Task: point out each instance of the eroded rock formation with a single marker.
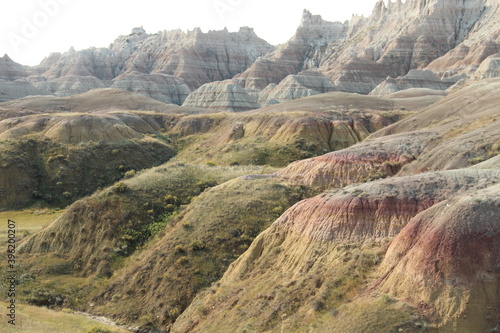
(222, 96)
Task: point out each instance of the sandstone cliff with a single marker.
(192, 56)
(10, 70)
(162, 87)
(165, 66)
(361, 53)
(303, 51)
(303, 84)
(18, 89)
(221, 96)
(413, 79)
(448, 37)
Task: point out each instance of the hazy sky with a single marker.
(32, 29)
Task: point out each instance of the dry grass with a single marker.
(32, 319)
(27, 221)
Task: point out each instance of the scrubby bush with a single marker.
(98, 330)
(129, 174)
(120, 187)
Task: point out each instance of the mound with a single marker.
(118, 220)
(450, 253)
(196, 249)
(471, 103)
(75, 128)
(282, 133)
(458, 131)
(320, 252)
(47, 172)
(93, 101)
(362, 162)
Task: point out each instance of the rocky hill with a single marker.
(345, 181)
(166, 66)
(416, 44)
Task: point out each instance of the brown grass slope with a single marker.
(302, 271)
(56, 150)
(95, 231)
(53, 149)
(447, 258)
(458, 131)
(95, 100)
(198, 246)
(290, 131)
(57, 159)
(183, 241)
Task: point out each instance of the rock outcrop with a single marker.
(193, 56)
(482, 39)
(414, 79)
(303, 84)
(359, 54)
(449, 37)
(10, 70)
(489, 68)
(66, 85)
(221, 96)
(311, 36)
(18, 89)
(165, 66)
(162, 87)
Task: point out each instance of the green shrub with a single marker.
(197, 246)
(120, 187)
(98, 330)
(129, 174)
(476, 160)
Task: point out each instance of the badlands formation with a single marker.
(345, 181)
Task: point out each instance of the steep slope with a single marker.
(66, 164)
(305, 83)
(399, 37)
(92, 101)
(449, 37)
(396, 38)
(198, 234)
(413, 79)
(62, 132)
(301, 52)
(320, 253)
(279, 134)
(11, 70)
(56, 150)
(221, 96)
(18, 89)
(450, 253)
(462, 126)
(166, 66)
(193, 56)
(489, 68)
(124, 218)
(216, 228)
(482, 41)
(162, 87)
